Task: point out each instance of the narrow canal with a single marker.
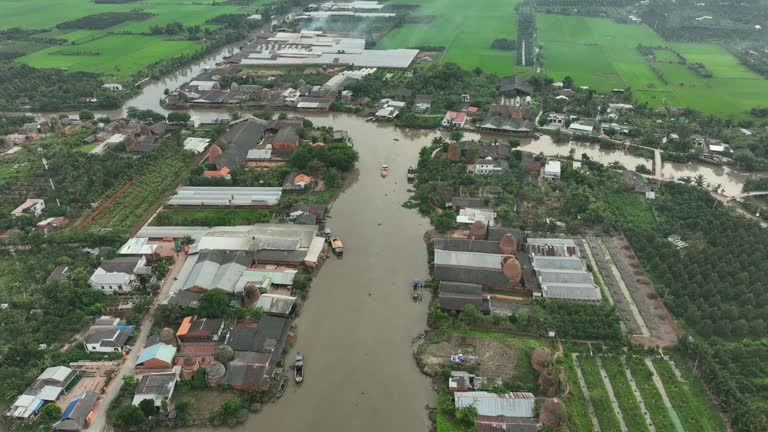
(356, 327)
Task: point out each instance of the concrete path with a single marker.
(677, 372)
(624, 290)
(595, 267)
(611, 395)
(664, 397)
(585, 391)
(638, 396)
(657, 163)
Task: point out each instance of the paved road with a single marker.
(100, 418)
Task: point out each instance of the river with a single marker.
(356, 327)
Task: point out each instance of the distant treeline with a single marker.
(103, 20)
(114, 1)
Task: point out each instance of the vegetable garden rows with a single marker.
(689, 401)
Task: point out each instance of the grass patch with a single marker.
(86, 148)
(211, 217)
(598, 394)
(576, 403)
(629, 210)
(659, 414)
(630, 408)
(694, 409)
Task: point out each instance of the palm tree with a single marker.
(438, 141)
(699, 180)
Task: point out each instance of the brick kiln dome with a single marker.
(214, 152)
(478, 231)
(553, 413)
(512, 270)
(508, 244)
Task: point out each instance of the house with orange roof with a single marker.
(222, 172)
(296, 181)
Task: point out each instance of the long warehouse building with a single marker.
(246, 197)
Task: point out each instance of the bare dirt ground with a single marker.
(663, 328)
(497, 360)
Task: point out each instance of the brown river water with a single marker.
(356, 327)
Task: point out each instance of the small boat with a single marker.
(416, 289)
(411, 174)
(370, 119)
(327, 234)
(384, 170)
(299, 368)
(281, 388)
(336, 246)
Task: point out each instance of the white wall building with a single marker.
(117, 275)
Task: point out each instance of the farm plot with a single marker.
(598, 394)
(211, 217)
(578, 405)
(661, 416)
(111, 55)
(33, 14)
(467, 36)
(694, 409)
(146, 192)
(602, 54)
(630, 407)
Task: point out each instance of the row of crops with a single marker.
(648, 394)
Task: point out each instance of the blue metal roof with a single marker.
(159, 351)
(69, 409)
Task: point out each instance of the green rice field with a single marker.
(120, 50)
(466, 31)
(117, 54)
(602, 54)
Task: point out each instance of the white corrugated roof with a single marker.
(468, 259)
(195, 144)
(571, 291)
(519, 404)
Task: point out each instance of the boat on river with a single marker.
(336, 246)
(416, 289)
(299, 368)
(384, 170)
(411, 174)
(714, 159)
(281, 388)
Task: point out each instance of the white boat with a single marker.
(299, 368)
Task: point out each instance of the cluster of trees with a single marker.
(103, 20)
(339, 156)
(504, 44)
(719, 285)
(10, 123)
(52, 89)
(573, 320)
(41, 312)
(526, 35)
(735, 373)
